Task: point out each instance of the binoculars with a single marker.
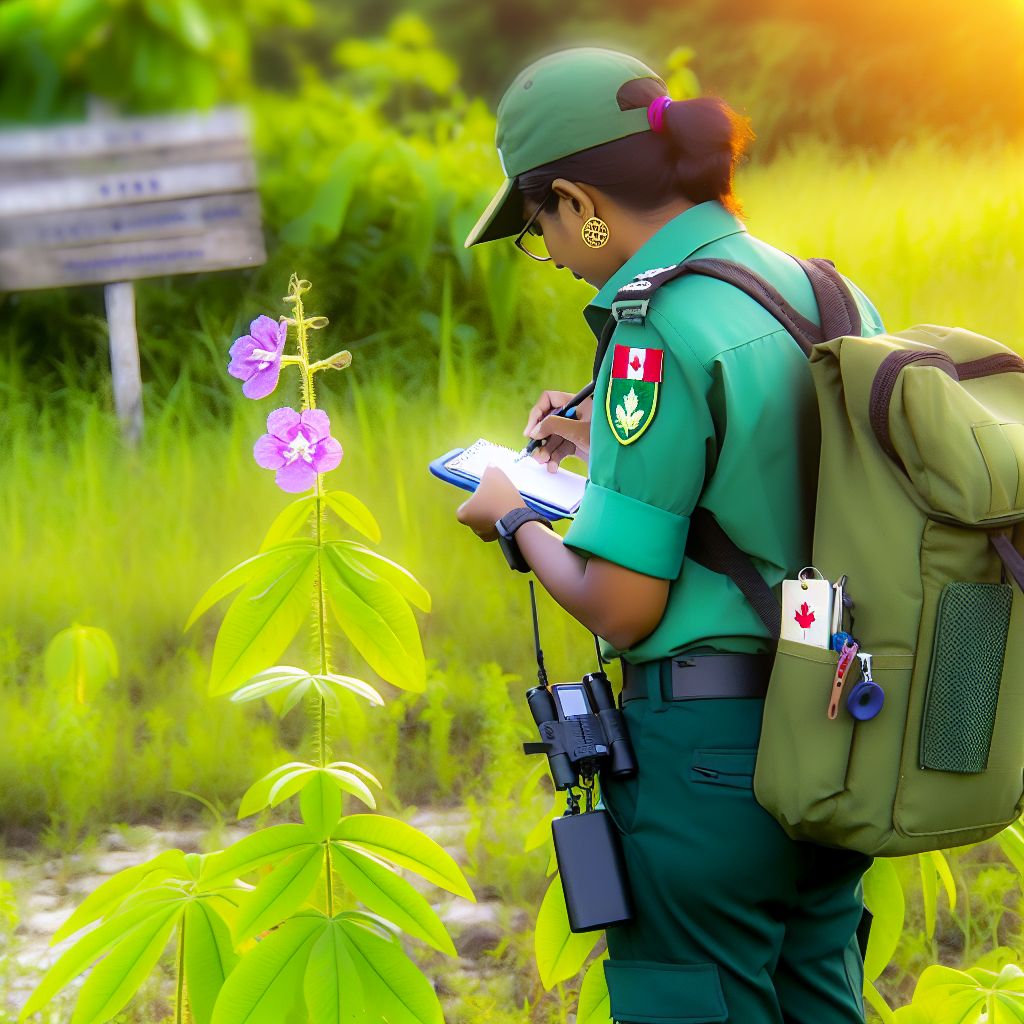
(581, 729)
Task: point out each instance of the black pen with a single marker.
(566, 411)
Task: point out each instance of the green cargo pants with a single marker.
(733, 920)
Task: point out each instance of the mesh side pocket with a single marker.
(973, 621)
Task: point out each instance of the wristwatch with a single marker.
(507, 526)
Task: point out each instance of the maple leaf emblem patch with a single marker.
(632, 395)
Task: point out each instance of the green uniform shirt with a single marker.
(735, 425)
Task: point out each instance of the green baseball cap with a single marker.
(561, 104)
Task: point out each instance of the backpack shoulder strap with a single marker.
(708, 543)
(840, 315)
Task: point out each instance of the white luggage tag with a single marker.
(807, 609)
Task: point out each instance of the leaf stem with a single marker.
(330, 886)
(179, 1008)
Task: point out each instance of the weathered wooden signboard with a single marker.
(110, 200)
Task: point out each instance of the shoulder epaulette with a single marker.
(631, 300)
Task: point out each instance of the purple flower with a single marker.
(298, 447)
(256, 357)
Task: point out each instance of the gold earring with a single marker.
(595, 232)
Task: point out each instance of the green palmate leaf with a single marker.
(262, 565)
(267, 981)
(942, 869)
(279, 894)
(401, 844)
(251, 852)
(290, 784)
(372, 923)
(350, 766)
(92, 945)
(320, 804)
(1011, 841)
(289, 778)
(284, 677)
(994, 961)
(109, 895)
(263, 620)
(114, 980)
(352, 783)
(194, 863)
(384, 892)
(209, 958)
(279, 677)
(257, 796)
(169, 891)
(971, 997)
(331, 681)
(80, 659)
(352, 511)
(883, 896)
(294, 695)
(560, 952)
(394, 987)
(929, 892)
(880, 1006)
(334, 993)
(541, 831)
(377, 565)
(288, 521)
(376, 618)
(595, 1004)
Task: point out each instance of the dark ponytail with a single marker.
(694, 156)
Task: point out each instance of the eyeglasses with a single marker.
(535, 232)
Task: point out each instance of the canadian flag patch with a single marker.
(632, 396)
(637, 363)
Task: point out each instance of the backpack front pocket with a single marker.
(1002, 450)
(802, 754)
(961, 775)
(962, 691)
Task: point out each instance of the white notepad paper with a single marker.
(562, 489)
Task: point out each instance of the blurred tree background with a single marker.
(868, 73)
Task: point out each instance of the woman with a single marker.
(704, 399)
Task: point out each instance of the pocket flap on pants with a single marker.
(648, 992)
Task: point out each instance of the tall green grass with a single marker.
(128, 541)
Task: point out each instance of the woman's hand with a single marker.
(494, 496)
(565, 436)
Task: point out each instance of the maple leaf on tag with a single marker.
(629, 418)
(804, 617)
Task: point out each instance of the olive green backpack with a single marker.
(920, 503)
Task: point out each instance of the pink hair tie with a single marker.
(656, 112)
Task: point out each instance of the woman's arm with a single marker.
(616, 603)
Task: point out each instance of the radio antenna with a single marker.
(600, 660)
(542, 676)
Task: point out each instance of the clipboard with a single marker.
(467, 483)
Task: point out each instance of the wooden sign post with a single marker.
(111, 200)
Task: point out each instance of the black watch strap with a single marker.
(507, 526)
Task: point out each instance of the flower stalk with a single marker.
(296, 288)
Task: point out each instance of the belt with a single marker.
(700, 675)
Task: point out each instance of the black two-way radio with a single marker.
(583, 734)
